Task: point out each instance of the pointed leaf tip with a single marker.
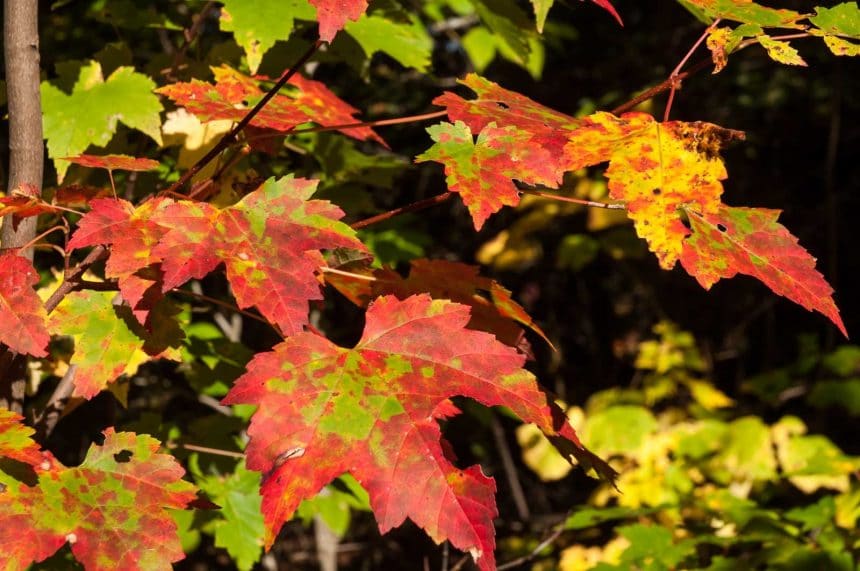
(751, 242)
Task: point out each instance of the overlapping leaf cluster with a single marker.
(668, 175)
(370, 413)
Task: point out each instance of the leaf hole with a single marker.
(656, 192)
(503, 105)
(123, 456)
(721, 228)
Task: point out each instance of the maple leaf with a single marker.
(258, 24)
(334, 14)
(655, 168)
(749, 12)
(16, 440)
(113, 162)
(90, 113)
(546, 128)
(482, 171)
(493, 309)
(233, 95)
(111, 508)
(373, 411)
(22, 315)
(269, 243)
(132, 233)
(751, 242)
(23, 202)
(108, 340)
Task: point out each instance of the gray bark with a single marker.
(26, 152)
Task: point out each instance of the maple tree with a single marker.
(270, 148)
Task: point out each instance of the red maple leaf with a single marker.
(333, 15)
(269, 242)
(750, 241)
(132, 233)
(373, 411)
(111, 508)
(16, 439)
(234, 94)
(113, 162)
(23, 202)
(493, 309)
(22, 314)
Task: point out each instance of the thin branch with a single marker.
(233, 135)
(42, 235)
(73, 277)
(414, 207)
(379, 123)
(511, 475)
(674, 75)
(50, 415)
(223, 304)
(583, 202)
(207, 450)
(349, 274)
(190, 35)
(661, 87)
(556, 533)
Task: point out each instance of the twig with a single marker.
(379, 123)
(661, 87)
(46, 421)
(592, 203)
(232, 136)
(673, 77)
(207, 450)
(189, 36)
(73, 278)
(224, 304)
(414, 207)
(510, 470)
(556, 533)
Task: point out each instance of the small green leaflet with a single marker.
(258, 24)
(90, 113)
(406, 41)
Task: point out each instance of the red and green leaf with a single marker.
(270, 243)
(109, 342)
(493, 309)
(23, 317)
(111, 508)
(749, 12)
(373, 411)
(750, 241)
(233, 95)
(482, 171)
(16, 440)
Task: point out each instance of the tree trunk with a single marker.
(26, 153)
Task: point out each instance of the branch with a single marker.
(233, 135)
(414, 207)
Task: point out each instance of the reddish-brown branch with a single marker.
(379, 123)
(233, 135)
(73, 277)
(414, 207)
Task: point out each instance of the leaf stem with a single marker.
(42, 235)
(207, 450)
(232, 136)
(414, 207)
(592, 203)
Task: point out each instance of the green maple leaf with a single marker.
(258, 24)
(90, 113)
(239, 527)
